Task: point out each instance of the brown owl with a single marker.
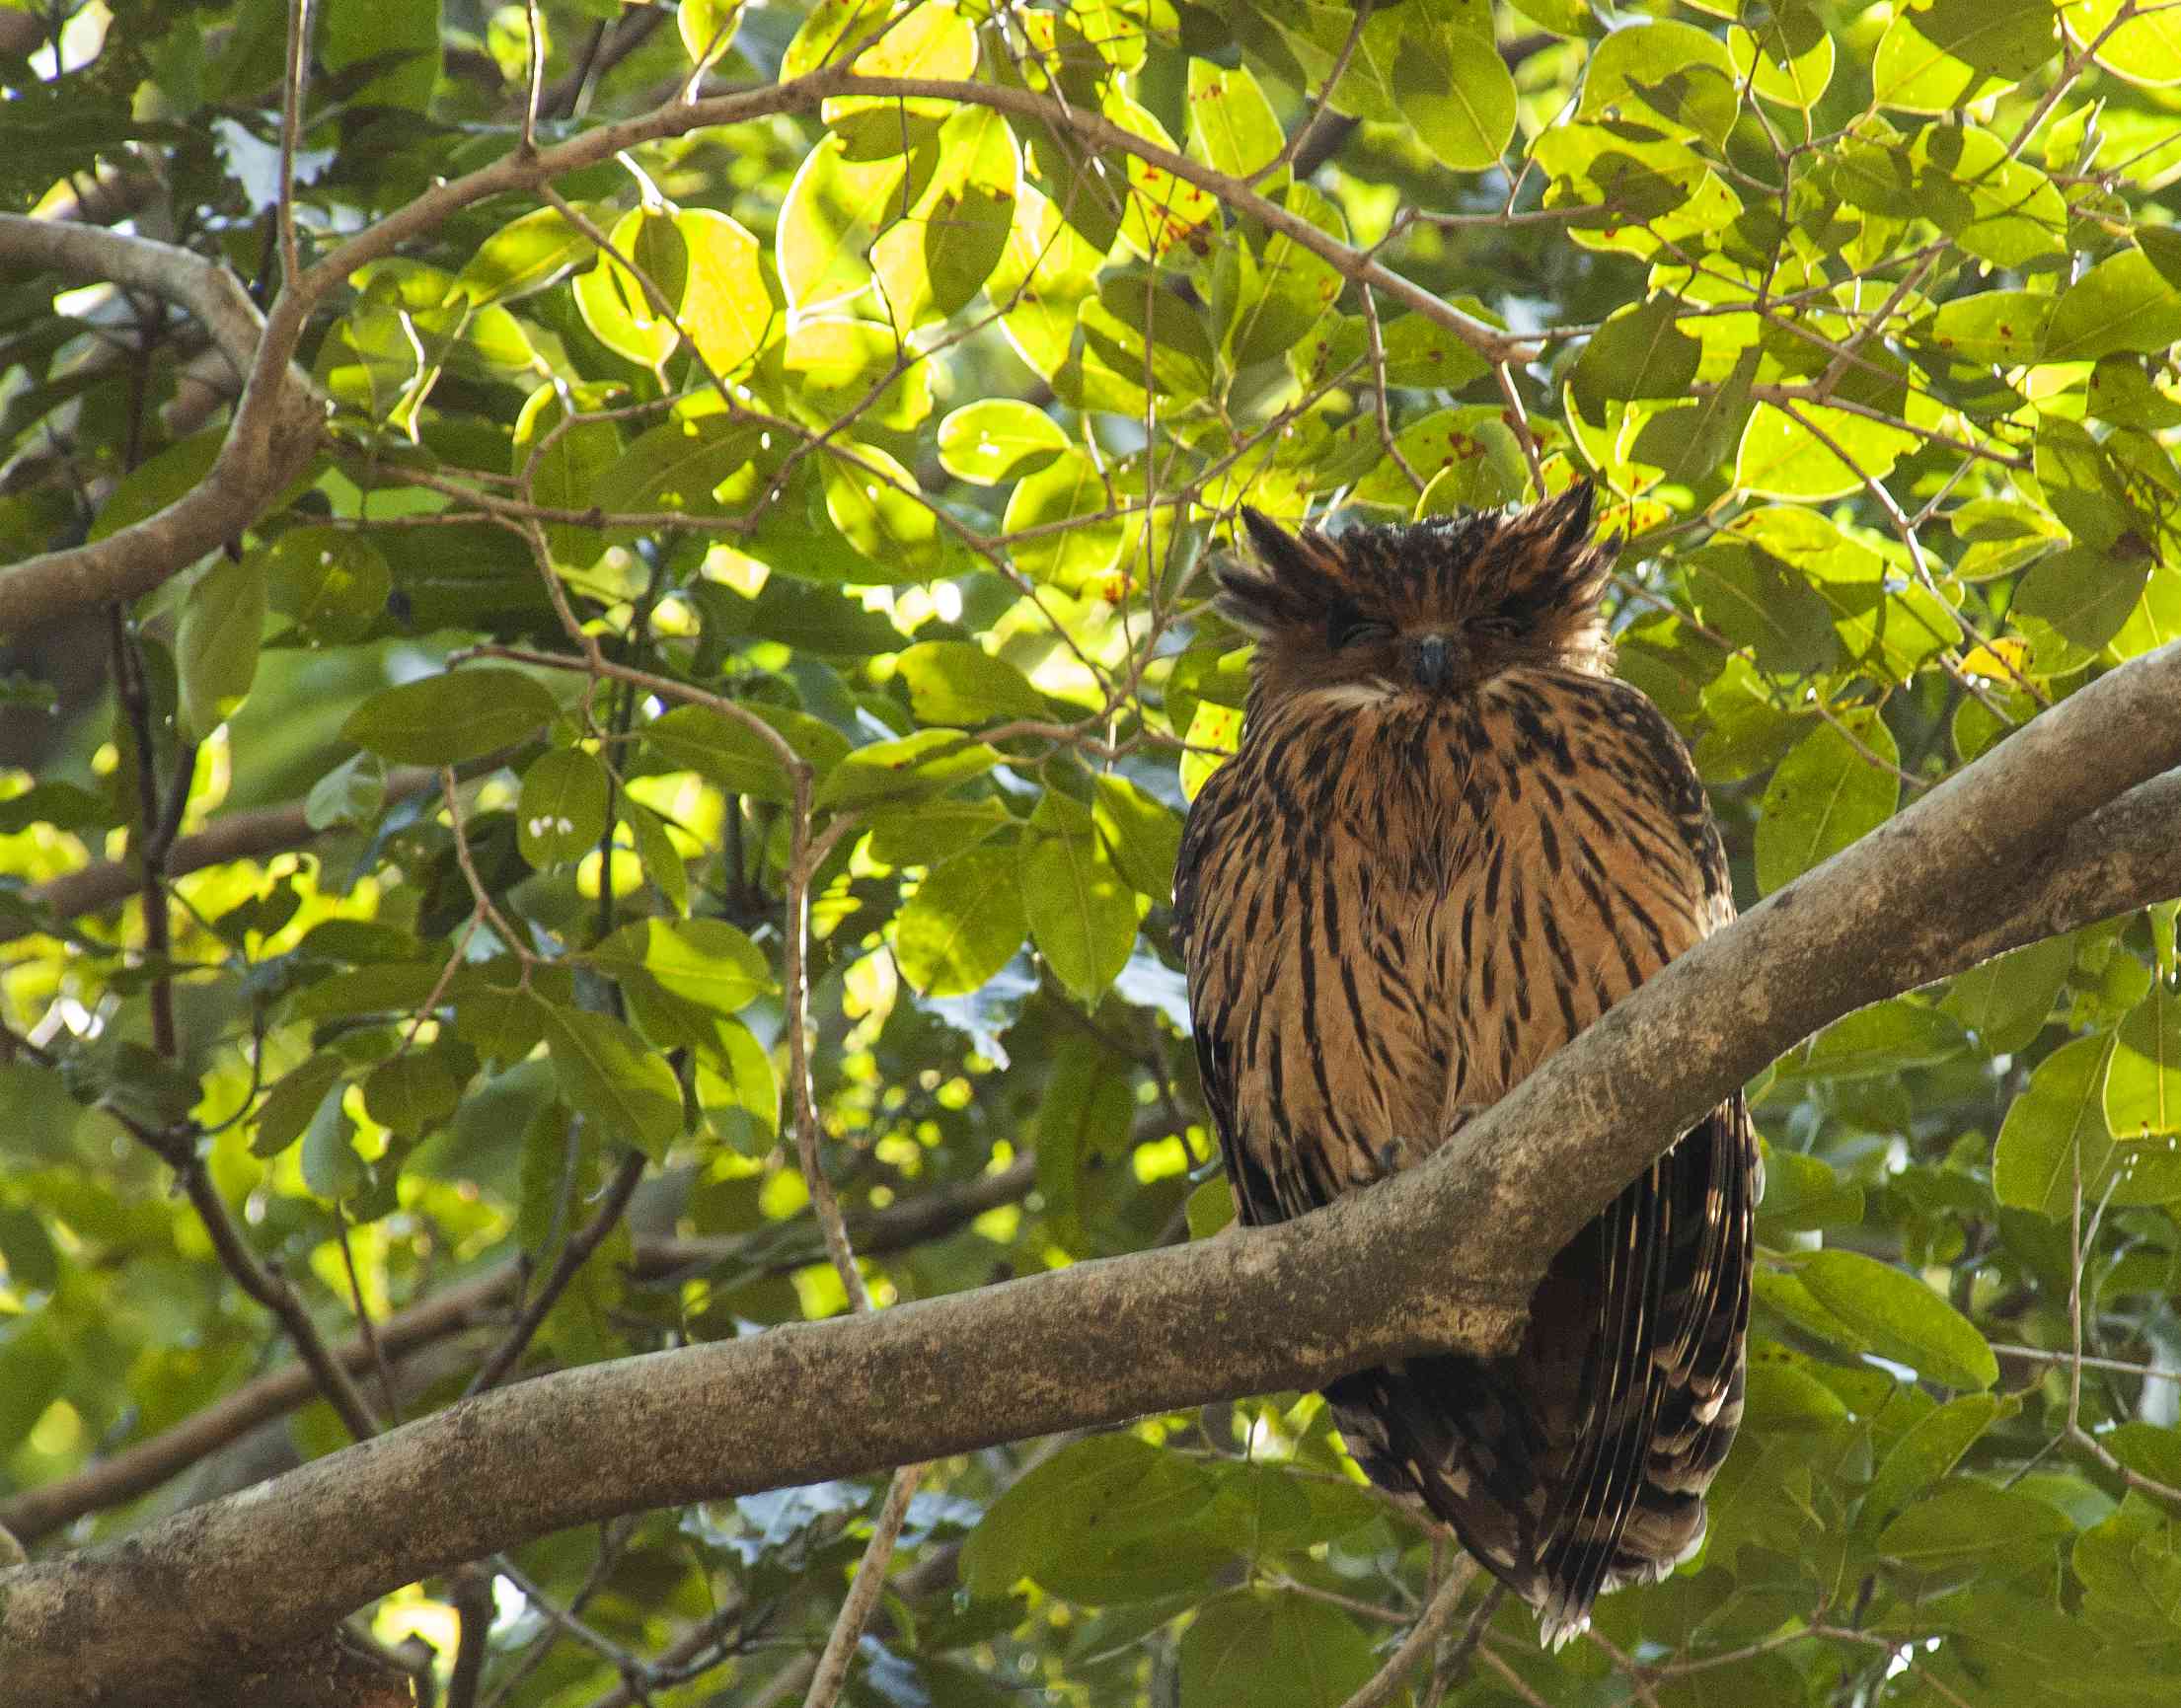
(1449, 841)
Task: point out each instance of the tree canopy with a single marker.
(605, 641)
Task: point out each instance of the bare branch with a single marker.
(271, 440)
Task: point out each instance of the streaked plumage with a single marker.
(1449, 841)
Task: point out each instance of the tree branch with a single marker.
(239, 836)
(776, 1250)
(274, 435)
(1360, 1281)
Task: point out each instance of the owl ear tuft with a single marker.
(1568, 515)
(1280, 552)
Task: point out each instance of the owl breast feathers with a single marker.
(1449, 841)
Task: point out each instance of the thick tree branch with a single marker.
(772, 1250)
(239, 836)
(271, 440)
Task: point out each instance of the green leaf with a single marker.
(830, 220)
(1802, 1192)
(456, 715)
(662, 862)
(1784, 456)
(2142, 1080)
(698, 464)
(829, 30)
(1263, 1646)
(958, 684)
(1232, 126)
(223, 620)
(1901, 1318)
(2145, 49)
(962, 925)
(880, 512)
(726, 307)
(2007, 999)
(1081, 913)
(1111, 1518)
(332, 581)
(1929, 1448)
(291, 1105)
(636, 323)
(2161, 247)
(1788, 59)
(562, 812)
(1050, 515)
(736, 757)
(607, 1073)
(1880, 1039)
(1143, 834)
(1958, 1522)
(330, 1166)
(28, 1256)
(1456, 91)
(1999, 208)
(1913, 73)
(1832, 789)
(704, 961)
(1757, 600)
(1674, 70)
(410, 1095)
(2123, 303)
(2002, 329)
(1084, 1122)
(1210, 1208)
(932, 259)
(708, 28)
(399, 40)
(987, 441)
(351, 793)
(908, 767)
(524, 256)
(376, 988)
(2086, 593)
(2008, 38)
(1640, 352)
(859, 369)
(2056, 1125)
(494, 1013)
(931, 831)
(742, 1102)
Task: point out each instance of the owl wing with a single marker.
(1258, 1196)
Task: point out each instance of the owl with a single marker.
(1449, 840)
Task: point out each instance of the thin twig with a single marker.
(1431, 1625)
(573, 1256)
(365, 1326)
(863, 1594)
(293, 86)
(473, 1600)
(1314, 118)
(536, 80)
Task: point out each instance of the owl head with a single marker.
(1433, 608)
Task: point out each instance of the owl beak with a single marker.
(1435, 660)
